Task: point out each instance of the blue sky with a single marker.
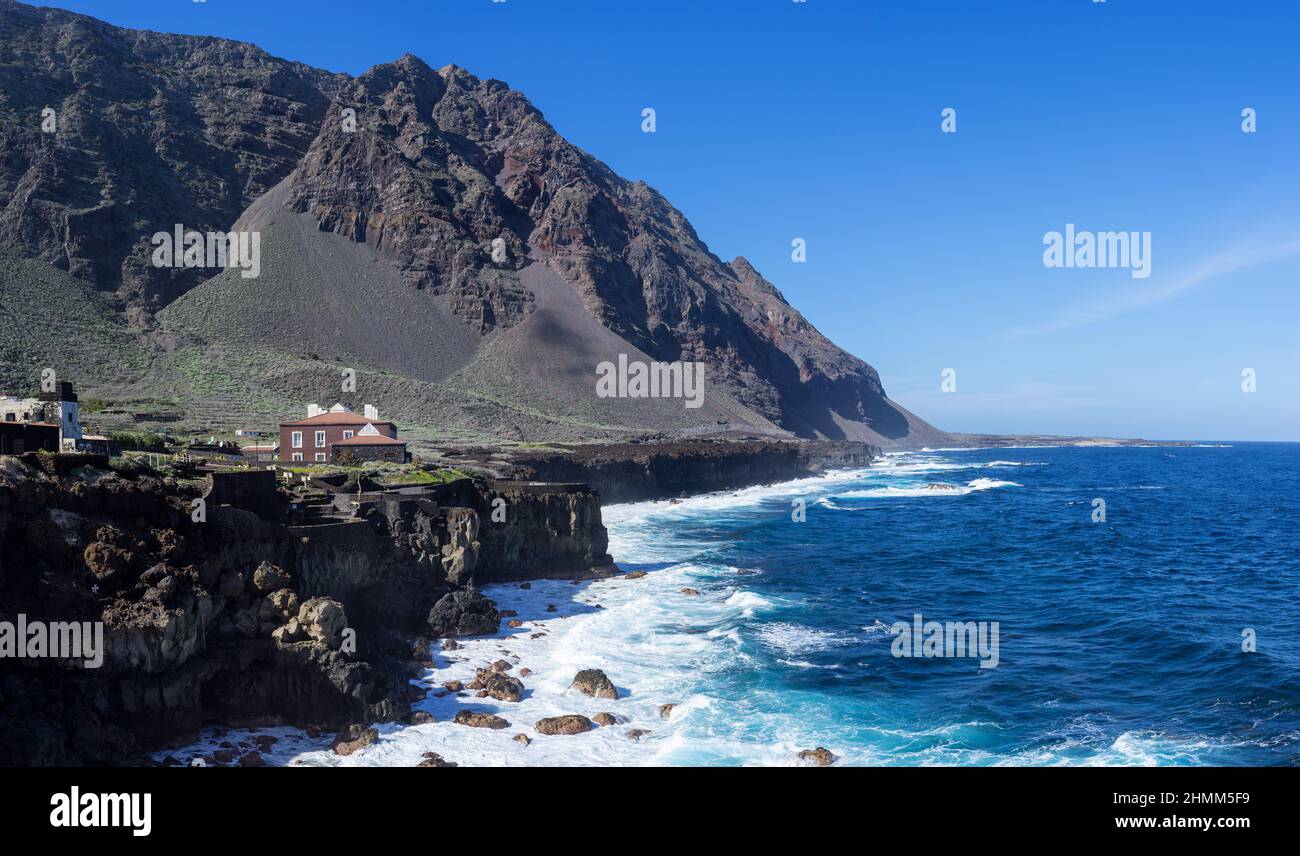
(821, 120)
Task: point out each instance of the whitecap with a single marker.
(933, 489)
(795, 639)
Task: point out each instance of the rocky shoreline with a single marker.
(540, 691)
(225, 604)
(239, 617)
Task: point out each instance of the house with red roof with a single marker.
(326, 434)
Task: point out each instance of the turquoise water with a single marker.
(1120, 642)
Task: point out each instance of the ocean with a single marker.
(1120, 641)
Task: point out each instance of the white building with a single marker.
(58, 407)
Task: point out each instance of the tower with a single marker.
(64, 399)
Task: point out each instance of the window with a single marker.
(296, 441)
(297, 456)
(320, 439)
(348, 435)
(320, 456)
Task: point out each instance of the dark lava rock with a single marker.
(480, 720)
(571, 723)
(503, 687)
(595, 683)
(464, 613)
(818, 757)
(268, 578)
(352, 738)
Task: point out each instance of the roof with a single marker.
(370, 440)
(335, 419)
(260, 448)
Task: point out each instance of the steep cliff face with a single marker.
(456, 189)
(641, 472)
(190, 634)
(233, 617)
(150, 130)
(403, 177)
(545, 531)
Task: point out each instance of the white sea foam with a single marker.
(796, 639)
(614, 515)
(927, 490)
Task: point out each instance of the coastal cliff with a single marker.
(632, 472)
(214, 614)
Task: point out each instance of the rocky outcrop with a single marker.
(548, 531)
(569, 723)
(595, 683)
(191, 634)
(819, 757)
(240, 618)
(353, 738)
(480, 720)
(463, 613)
(503, 688)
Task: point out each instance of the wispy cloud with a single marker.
(1226, 262)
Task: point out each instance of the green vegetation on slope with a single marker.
(53, 320)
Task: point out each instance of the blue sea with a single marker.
(1119, 641)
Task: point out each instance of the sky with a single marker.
(822, 120)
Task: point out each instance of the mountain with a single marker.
(426, 229)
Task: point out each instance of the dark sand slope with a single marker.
(323, 303)
(323, 294)
(547, 364)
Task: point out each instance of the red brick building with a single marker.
(322, 436)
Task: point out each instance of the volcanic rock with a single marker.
(571, 723)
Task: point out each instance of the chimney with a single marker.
(314, 410)
(372, 412)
